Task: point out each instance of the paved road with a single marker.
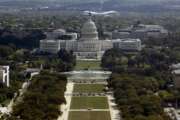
(101, 83)
(89, 110)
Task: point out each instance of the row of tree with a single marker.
(136, 98)
(63, 61)
(10, 56)
(21, 38)
(42, 99)
(16, 59)
(141, 82)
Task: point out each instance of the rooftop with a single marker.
(127, 40)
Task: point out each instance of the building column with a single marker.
(7, 77)
(4, 77)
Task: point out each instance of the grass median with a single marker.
(88, 88)
(89, 102)
(89, 115)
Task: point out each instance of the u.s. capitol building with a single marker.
(88, 46)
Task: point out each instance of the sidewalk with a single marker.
(65, 108)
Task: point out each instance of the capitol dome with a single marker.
(89, 31)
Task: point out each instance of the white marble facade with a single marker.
(88, 46)
(4, 75)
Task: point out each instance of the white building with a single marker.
(4, 75)
(176, 72)
(55, 34)
(51, 46)
(89, 46)
(127, 44)
(61, 34)
(141, 31)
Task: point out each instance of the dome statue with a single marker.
(89, 31)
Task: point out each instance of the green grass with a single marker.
(89, 102)
(89, 115)
(85, 88)
(91, 65)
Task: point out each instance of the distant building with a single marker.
(141, 31)
(88, 46)
(55, 34)
(51, 46)
(30, 72)
(61, 34)
(4, 75)
(127, 44)
(176, 73)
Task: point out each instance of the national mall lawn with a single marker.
(89, 103)
(88, 88)
(89, 115)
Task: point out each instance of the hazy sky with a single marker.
(140, 1)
